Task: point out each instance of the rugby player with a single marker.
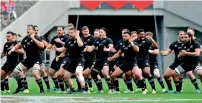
(43, 68)
(102, 47)
(89, 56)
(130, 49)
(56, 65)
(143, 56)
(11, 62)
(189, 55)
(153, 52)
(75, 65)
(32, 45)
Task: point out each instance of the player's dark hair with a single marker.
(85, 28)
(61, 27)
(149, 33)
(73, 29)
(127, 32)
(29, 25)
(70, 25)
(189, 34)
(102, 28)
(35, 26)
(10, 32)
(139, 31)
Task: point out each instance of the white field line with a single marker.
(53, 99)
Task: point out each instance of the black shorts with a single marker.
(56, 64)
(119, 62)
(29, 62)
(9, 67)
(175, 64)
(88, 64)
(127, 66)
(153, 65)
(142, 63)
(111, 65)
(71, 66)
(100, 64)
(189, 66)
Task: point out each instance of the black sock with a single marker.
(180, 83)
(55, 80)
(109, 83)
(129, 84)
(46, 82)
(90, 83)
(22, 83)
(168, 82)
(2, 85)
(160, 80)
(83, 89)
(25, 83)
(142, 84)
(151, 81)
(137, 83)
(39, 82)
(86, 86)
(6, 84)
(99, 84)
(177, 85)
(61, 83)
(194, 82)
(78, 84)
(116, 84)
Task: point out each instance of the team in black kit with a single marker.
(89, 57)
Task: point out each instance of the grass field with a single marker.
(188, 95)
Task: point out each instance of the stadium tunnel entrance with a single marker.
(115, 24)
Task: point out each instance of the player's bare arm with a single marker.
(118, 54)
(38, 43)
(193, 54)
(166, 52)
(78, 39)
(155, 51)
(20, 51)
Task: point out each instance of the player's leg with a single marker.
(87, 76)
(68, 80)
(198, 70)
(79, 75)
(105, 72)
(36, 73)
(3, 75)
(60, 77)
(157, 75)
(137, 73)
(53, 75)
(114, 76)
(167, 77)
(6, 84)
(17, 73)
(55, 66)
(147, 72)
(96, 68)
(45, 76)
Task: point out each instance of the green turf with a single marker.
(188, 91)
